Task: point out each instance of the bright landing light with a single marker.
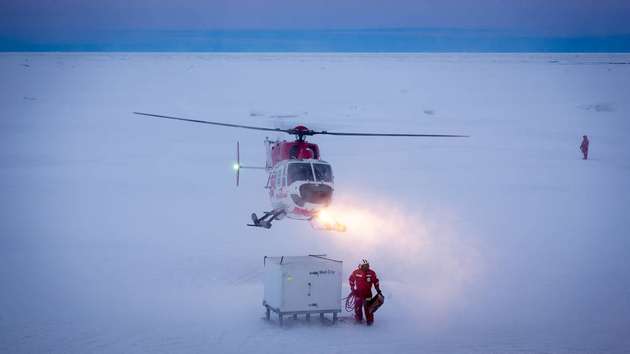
(325, 218)
(326, 221)
(367, 225)
(236, 167)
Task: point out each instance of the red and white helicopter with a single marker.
(300, 183)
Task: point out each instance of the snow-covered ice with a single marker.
(120, 233)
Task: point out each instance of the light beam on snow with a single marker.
(425, 258)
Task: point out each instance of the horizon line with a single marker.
(407, 40)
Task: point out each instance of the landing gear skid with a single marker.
(265, 220)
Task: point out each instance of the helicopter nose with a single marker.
(316, 193)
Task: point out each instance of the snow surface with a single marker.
(121, 233)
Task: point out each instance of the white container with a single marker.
(302, 285)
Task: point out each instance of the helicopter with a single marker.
(300, 184)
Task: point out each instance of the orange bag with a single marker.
(375, 302)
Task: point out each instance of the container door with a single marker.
(295, 288)
(325, 287)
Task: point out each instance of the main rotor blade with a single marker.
(386, 134)
(294, 131)
(213, 123)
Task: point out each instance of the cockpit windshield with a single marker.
(323, 172)
(299, 172)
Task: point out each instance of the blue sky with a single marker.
(152, 24)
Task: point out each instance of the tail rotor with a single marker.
(238, 167)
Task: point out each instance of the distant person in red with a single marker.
(361, 281)
(584, 147)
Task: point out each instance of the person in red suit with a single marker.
(361, 281)
(584, 147)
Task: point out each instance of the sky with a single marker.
(127, 23)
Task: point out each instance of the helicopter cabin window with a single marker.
(272, 180)
(279, 177)
(323, 172)
(300, 172)
(283, 177)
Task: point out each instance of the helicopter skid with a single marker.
(265, 220)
